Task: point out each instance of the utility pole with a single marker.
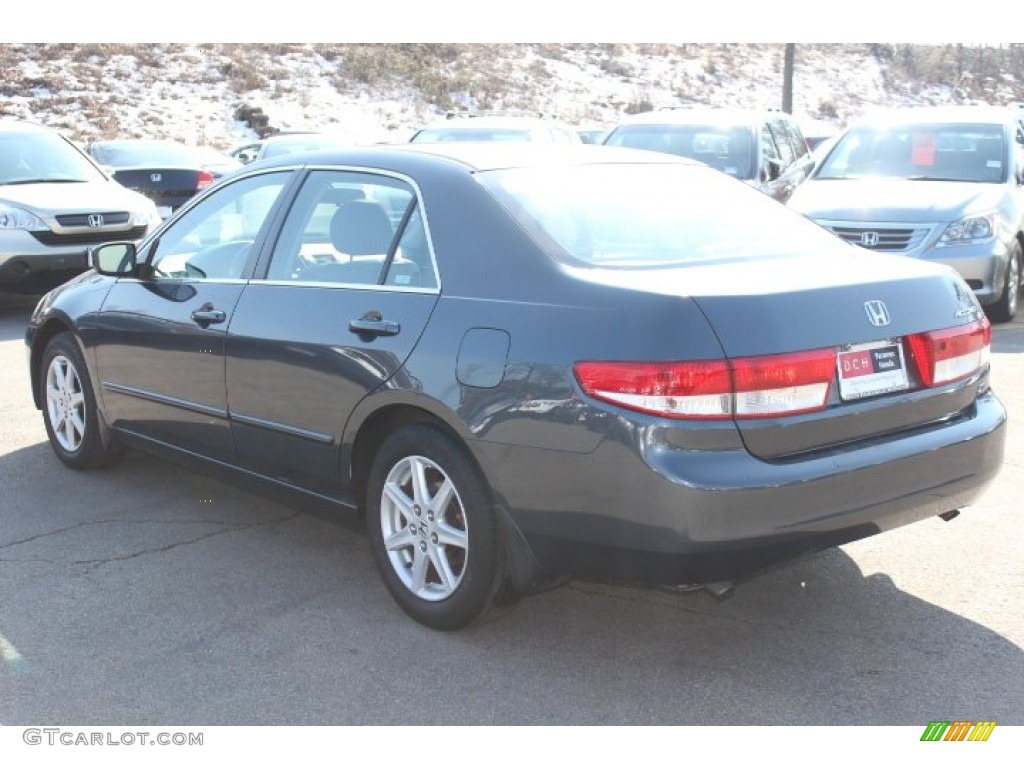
(787, 79)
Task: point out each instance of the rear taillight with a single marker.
(744, 388)
(951, 354)
(205, 179)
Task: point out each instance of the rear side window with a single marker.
(354, 229)
(638, 215)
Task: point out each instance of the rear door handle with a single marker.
(374, 327)
(207, 315)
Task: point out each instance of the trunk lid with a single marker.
(770, 306)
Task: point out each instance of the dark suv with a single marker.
(764, 148)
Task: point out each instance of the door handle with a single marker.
(206, 315)
(375, 327)
(372, 324)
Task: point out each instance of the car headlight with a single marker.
(969, 229)
(15, 218)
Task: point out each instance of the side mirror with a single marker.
(114, 259)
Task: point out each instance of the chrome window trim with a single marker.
(347, 286)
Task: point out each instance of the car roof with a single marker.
(19, 125)
(474, 156)
(493, 120)
(941, 114)
(701, 115)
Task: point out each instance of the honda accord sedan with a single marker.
(516, 364)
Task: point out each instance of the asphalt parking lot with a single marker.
(147, 595)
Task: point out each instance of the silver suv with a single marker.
(937, 183)
(55, 203)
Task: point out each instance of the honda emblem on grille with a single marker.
(869, 239)
(878, 315)
(157, 178)
(95, 220)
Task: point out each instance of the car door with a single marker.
(160, 352)
(346, 293)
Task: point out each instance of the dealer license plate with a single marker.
(870, 369)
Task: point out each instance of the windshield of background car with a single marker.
(38, 157)
(924, 151)
(638, 215)
(128, 154)
(726, 148)
(429, 135)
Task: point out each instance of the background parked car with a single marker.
(817, 131)
(54, 203)
(216, 162)
(498, 126)
(592, 135)
(611, 384)
(937, 183)
(292, 143)
(166, 172)
(763, 148)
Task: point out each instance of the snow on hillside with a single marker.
(384, 92)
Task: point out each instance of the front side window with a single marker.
(354, 229)
(923, 152)
(214, 240)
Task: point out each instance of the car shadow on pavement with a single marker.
(1009, 337)
(15, 310)
(148, 594)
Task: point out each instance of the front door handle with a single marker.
(372, 324)
(207, 315)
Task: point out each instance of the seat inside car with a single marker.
(358, 228)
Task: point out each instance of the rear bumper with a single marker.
(650, 512)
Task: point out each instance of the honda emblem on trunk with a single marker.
(878, 315)
(95, 220)
(156, 178)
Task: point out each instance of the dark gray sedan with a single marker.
(517, 364)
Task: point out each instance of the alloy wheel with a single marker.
(65, 403)
(424, 528)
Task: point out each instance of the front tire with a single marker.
(1004, 310)
(433, 531)
(69, 407)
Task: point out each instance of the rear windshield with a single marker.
(37, 157)
(125, 154)
(725, 148)
(636, 215)
(925, 151)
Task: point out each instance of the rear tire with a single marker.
(69, 407)
(1004, 310)
(433, 531)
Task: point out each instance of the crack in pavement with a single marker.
(114, 522)
(101, 561)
